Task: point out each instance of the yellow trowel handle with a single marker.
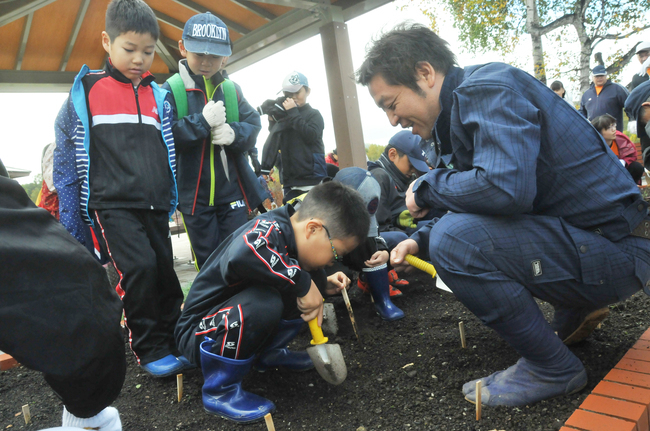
(420, 264)
(316, 332)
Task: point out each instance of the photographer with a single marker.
(296, 132)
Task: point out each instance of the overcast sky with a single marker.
(27, 120)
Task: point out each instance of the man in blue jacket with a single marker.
(604, 97)
(528, 218)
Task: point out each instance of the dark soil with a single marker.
(406, 375)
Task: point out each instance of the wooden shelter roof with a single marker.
(45, 42)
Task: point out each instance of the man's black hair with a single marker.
(341, 209)
(123, 16)
(400, 153)
(396, 55)
(557, 85)
(603, 122)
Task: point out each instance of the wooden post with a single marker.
(179, 384)
(463, 342)
(269, 422)
(478, 400)
(346, 298)
(26, 414)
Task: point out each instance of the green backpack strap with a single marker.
(230, 97)
(180, 96)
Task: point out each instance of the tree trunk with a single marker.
(532, 24)
(585, 53)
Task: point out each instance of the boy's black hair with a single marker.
(603, 122)
(341, 209)
(556, 85)
(400, 153)
(123, 16)
(396, 55)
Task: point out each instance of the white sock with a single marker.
(106, 420)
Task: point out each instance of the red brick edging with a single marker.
(621, 401)
(7, 362)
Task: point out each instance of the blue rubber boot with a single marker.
(164, 367)
(547, 369)
(377, 278)
(222, 392)
(277, 355)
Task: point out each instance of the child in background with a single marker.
(297, 138)
(370, 257)
(258, 288)
(114, 167)
(214, 127)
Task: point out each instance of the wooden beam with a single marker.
(11, 11)
(73, 36)
(202, 9)
(168, 19)
(257, 10)
(23, 41)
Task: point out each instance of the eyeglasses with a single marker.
(336, 255)
(612, 127)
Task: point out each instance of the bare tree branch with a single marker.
(560, 22)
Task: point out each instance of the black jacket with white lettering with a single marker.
(262, 252)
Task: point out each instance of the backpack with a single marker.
(180, 97)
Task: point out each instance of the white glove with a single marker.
(223, 135)
(214, 113)
(106, 420)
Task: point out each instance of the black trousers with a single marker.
(244, 324)
(58, 313)
(211, 225)
(139, 244)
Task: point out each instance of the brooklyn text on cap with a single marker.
(206, 34)
(599, 70)
(643, 46)
(363, 182)
(293, 81)
(409, 144)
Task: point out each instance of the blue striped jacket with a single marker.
(72, 164)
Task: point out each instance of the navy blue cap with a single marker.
(363, 182)
(599, 70)
(409, 144)
(206, 34)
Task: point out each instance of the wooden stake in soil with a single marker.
(346, 298)
(269, 422)
(26, 414)
(461, 327)
(478, 400)
(179, 384)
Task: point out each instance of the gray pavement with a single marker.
(183, 264)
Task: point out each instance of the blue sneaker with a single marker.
(525, 383)
(164, 367)
(187, 365)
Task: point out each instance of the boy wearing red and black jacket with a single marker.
(258, 288)
(114, 168)
(217, 187)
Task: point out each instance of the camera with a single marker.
(273, 108)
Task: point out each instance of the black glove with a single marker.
(256, 166)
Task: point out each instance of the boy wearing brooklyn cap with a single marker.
(214, 127)
(299, 138)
